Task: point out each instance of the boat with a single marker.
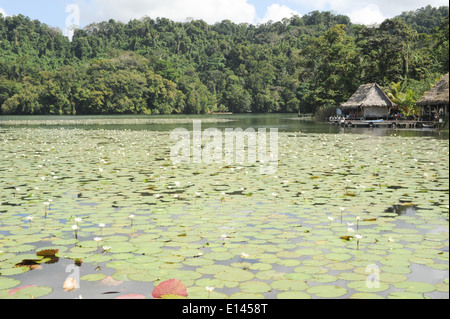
(374, 121)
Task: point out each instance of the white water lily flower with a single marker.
(97, 239)
(350, 230)
(330, 218)
(101, 225)
(358, 236)
(210, 289)
(131, 216)
(244, 255)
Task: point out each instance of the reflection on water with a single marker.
(402, 210)
(284, 123)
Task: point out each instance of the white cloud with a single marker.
(366, 11)
(275, 12)
(367, 15)
(3, 12)
(210, 11)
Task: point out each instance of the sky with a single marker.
(66, 13)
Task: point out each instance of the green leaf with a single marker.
(415, 286)
(327, 291)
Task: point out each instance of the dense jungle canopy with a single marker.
(160, 66)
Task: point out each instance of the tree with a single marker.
(404, 98)
(329, 65)
(235, 97)
(161, 66)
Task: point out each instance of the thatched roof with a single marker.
(438, 94)
(368, 95)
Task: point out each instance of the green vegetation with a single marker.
(111, 204)
(163, 67)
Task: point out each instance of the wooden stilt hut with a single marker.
(368, 102)
(435, 102)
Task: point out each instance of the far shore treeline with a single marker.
(158, 66)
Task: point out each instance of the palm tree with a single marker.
(404, 98)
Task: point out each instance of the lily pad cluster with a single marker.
(344, 216)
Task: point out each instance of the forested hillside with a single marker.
(160, 66)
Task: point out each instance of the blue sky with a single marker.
(53, 12)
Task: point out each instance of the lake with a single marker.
(101, 201)
(284, 123)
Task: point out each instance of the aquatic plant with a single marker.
(297, 250)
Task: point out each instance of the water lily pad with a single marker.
(396, 269)
(284, 284)
(235, 274)
(310, 270)
(246, 295)
(255, 287)
(293, 295)
(368, 286)
(288, 236)
(93, 277)
(260, 266)
(269, 274)
(415, 286)
(323, 278)
(195, 262)
(406, 295)
(219, 255)
(392, 278)
(209, 282)
(32, 292)
(212, 269)
(170, 287)
(307, 252)
(6, 282)
(327, 291)
(202, 293)
(338, 257)
(365, 296)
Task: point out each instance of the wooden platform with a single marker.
(387, 123)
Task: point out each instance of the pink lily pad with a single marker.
(13, 291)
(170, 287)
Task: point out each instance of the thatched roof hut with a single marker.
(369, 101)
(438, 95)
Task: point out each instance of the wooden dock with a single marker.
(386, 123)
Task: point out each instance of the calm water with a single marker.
(284, 123)
(296, 221)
